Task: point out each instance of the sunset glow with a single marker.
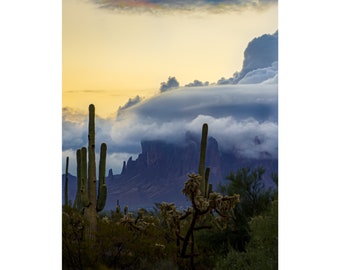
(110, 56)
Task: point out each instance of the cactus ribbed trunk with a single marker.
(66, 182)
(206, 184)
(91, 210)
(201, 168)
(87, 199)
(102, 188)
(77, 201)
(84, 200)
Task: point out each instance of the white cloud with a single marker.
(260, 75)
(236, 115)
(114, 161)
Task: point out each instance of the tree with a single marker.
(253, 195)
(261, 253)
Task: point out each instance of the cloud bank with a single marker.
(242, 113)
(236, 115)
(129, 103)
(181, 5)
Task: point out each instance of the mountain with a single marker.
(159, 172)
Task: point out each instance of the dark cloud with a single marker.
(172, 83)
(180, 5)
(260, 61)
(197, 83)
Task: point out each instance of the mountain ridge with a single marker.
(160, 170)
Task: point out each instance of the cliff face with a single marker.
(159, 172)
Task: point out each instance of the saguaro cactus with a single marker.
(87, 197)
(102, 188)
(202, 171)
(90, 212)
(81, 200)
(66, 182)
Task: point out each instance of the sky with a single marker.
(31, 66)
(236, 113)
(115, 50)
(116, 55)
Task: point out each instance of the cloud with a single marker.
(261, 75)
(75, 130)
(74, 134)
(180, 5)
(130, 103)
(241, 112)
(172, 83)
(221, 100)
(197, 83)
(114, 161)
(236, 115)
(260, 61)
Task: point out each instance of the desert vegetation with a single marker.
(234, 227)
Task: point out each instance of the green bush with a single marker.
(262, 249)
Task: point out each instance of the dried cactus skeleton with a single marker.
(216, 206)
(204, 203)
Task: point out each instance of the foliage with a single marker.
(155, 239)
(203, 214)
(234, 229)
(248, 183)
(133, 241)
(262, 250)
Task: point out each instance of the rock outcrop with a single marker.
(159, 172)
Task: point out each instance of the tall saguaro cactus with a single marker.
(91, 212)
(202, 171)
(102, 188)
(87, 197)
(66, 182)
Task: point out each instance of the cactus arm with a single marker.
(102, 189)
(77, 202)
(203, 150)
(66, 182)
(206, 179)
(83, 176)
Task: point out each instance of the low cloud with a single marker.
(239, 101)
(114, 161)
(75, 130)
(242, 112)
(236, 115)
(131, 102)
(260, 75)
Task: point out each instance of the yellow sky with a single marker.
(109, 57)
